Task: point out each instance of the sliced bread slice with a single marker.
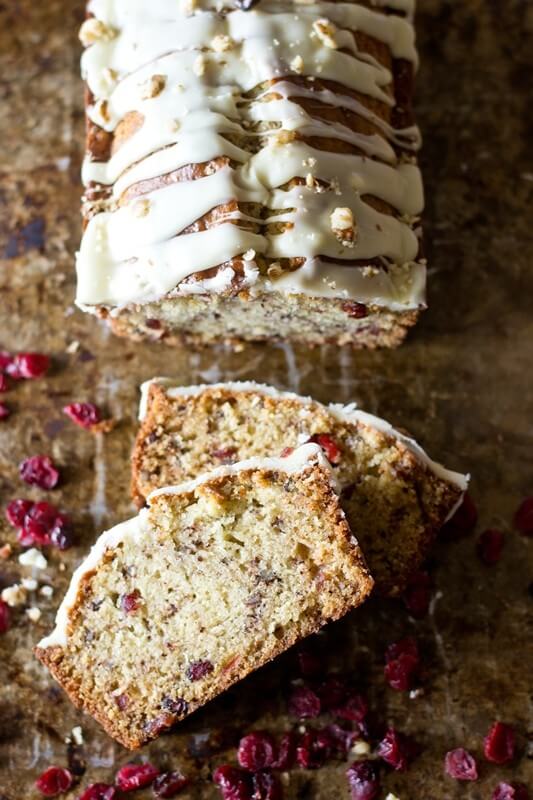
(212, 580)
(395, 497)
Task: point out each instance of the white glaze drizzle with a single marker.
(134, 529)
(344, 413)
(127, 257)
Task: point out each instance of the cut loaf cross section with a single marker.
(395, 497)
(251, 171)
(215, 578)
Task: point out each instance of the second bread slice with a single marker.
(215, 578)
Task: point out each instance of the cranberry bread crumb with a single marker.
(394, 496)
(215, 578)
(251, 172)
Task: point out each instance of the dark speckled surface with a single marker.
(462, 384)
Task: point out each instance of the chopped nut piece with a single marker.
(392, 796)
(34, 613)
(141, 207)
(77, 735)
(5, 551)
(73, 347)
(297, 65)
(153, 87)
(360, 748)
(342, 219)
(33, 558)
(101, 112)
(275, 270)
(199, 66)
(222, 43)
(30, 584)
(14, 595)
(249, 255)
(309, 180)
(324, 30)
(284, 137)
(109, 77)
(94, 30)
(46, 591)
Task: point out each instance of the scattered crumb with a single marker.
(14, 595)
(221, 43)
(62, 567)
(360, 748)
(33, 558)
(153, 87)
(30, 584)
(297, 65)
(199, 66)
(46, 591)
(5, 551)
(392, 796)
(249, 255)
(94, 30)
(77, 735)
(324, 30)
(73, 347)
(141, 207)
(33, 613)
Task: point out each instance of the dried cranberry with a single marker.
(225, 454)
(397, 750)
(418, 594)
(234, 783)
(343, 739)
(304, 703)
(328, 445)
(45, 524)
(286, 752)
(523, 518)
(314, 749)
(286, 452)
(499, 743)
(265, 786)
(198, 670)
(332, 692)
(39, 471)
(309, 664)
(354, 708)
(169, 784)
(177, 706)
(25, 366)
(16, 511)
(354, 309)
(5, 359)
(510, 791)
(135, 776)
(403, 664)
(363, 780)
(61, 533)
(461, 765)
(4, 382)
(99, 791)
(4, 617)
(256, 751)
(463, 521)
(83, 414)
(489, 546)
(54, 781)
(129, 603)
(4, 411)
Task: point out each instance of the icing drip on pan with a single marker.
(203, 85)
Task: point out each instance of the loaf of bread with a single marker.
(215, 578)
(250, 171)
(394, 496)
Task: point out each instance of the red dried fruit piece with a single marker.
(523, 518)
(287, 451)
(417, 594)
(16, 511)
(199, 669)
(397, 750)
(61, 533)
(177, 705)
(4, 411)
(225, 454)
(354, 708)
(44, 524)
(332, 693)
(354, 309)
(169, 784)
(99, 791)
(286, 752)
(461, 765)
(129, 603)
(135, 776)
(256, 751)
(510, 791)
(4, 617)
(27, 366)
(5, 359)
(489, 546)
(304, 703)
(403, 664)
(265, 786)
(54, 781)
(342, 739)
(499, 743)
(83, 414)
(328, 445)
(234, 783)
(363, 780)
(4, 382)
(314, 749)
(39, 471)
(463, 521)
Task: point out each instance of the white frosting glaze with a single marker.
(345, 413)
(195, 73)
(135, 528)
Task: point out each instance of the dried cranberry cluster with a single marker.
(39, 524)
(57, 780)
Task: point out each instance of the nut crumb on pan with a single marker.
(153, 86)
(33, 613)
(14, 595)
(94, 30)
(33, 558)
